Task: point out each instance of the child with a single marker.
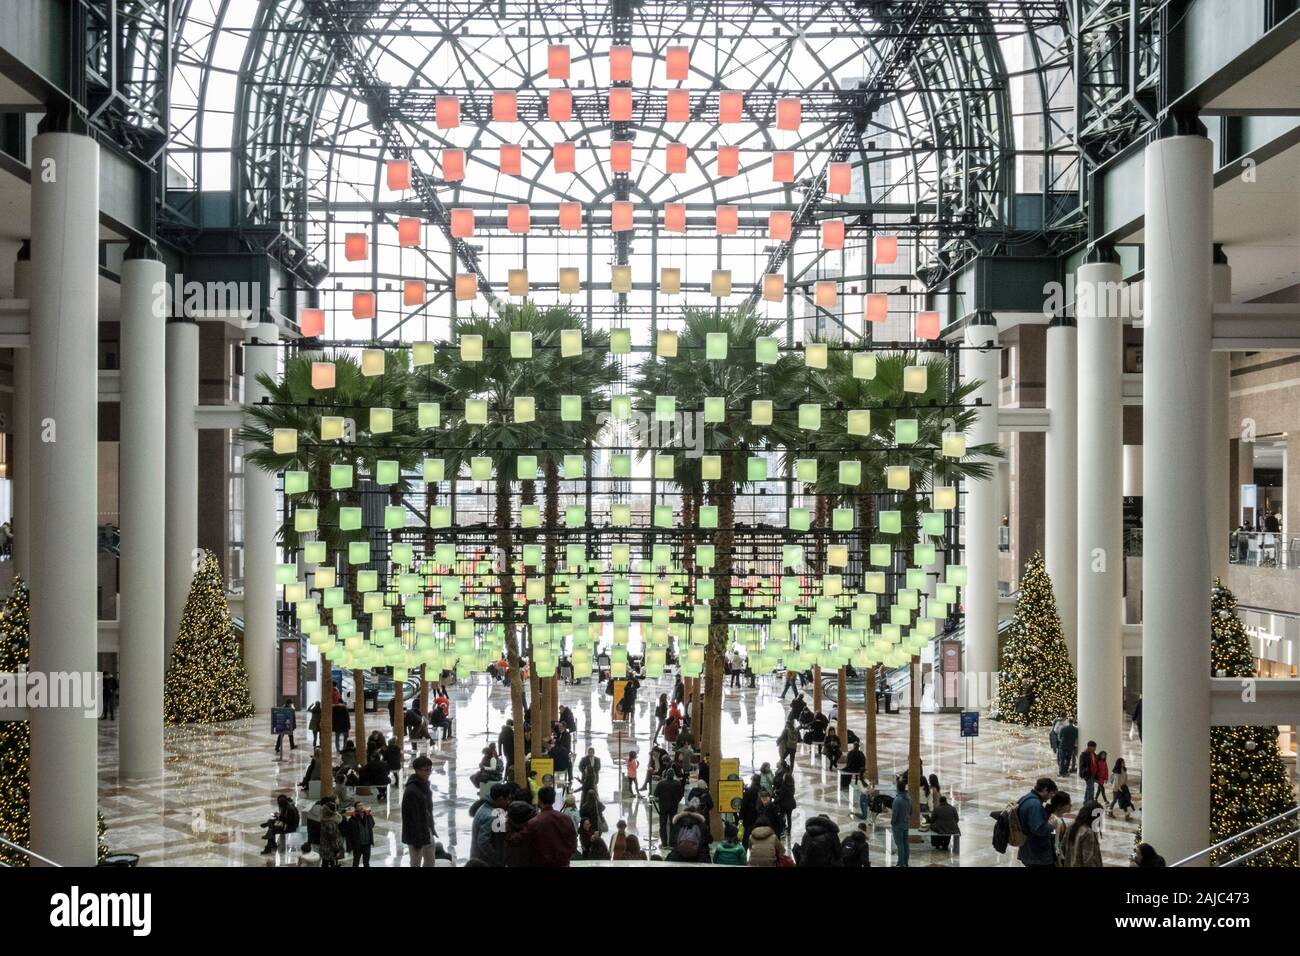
(1101, 774)
(632, 767)
(730, 852)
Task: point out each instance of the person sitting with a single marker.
(943, 824)
(284, 822)
(375, 774)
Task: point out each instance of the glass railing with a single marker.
(1264, 549)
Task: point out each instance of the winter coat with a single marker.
(1039, 848)
(342, 719)
(764, 847)
(313, 722)
(359, 830)
(1084, 849)
(331, 838)
(821, 843)
(417, 812)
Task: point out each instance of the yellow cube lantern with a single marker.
(422, 353)
(372, 362)
(859, 421)
(720, 283)
(525, 408)
(284, 441)
(670, 281)
(381, 421)
(331, 427)
(517, 282)
(570, 280)
(570, 343)
(666, 345)
(711, 467)
(476, 411)
(814, 354)
(471, 348)
(945, 497)
(898, 477)
(620, 279)
(915, 378)
(760, 412)
(954, 444)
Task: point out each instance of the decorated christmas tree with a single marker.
(1249, 782)
(1036, 684)
(206, 682)
(15, 735)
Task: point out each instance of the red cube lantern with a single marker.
(620, 105)
(462, 223)
(354, 247)
(789, 112)
(312, 322)
(408, 231)
(731, 106)
(446, 112)
(886, 250)
(621, 217)
(505, 106)
(779, 224)
(414, 292)
(570, 216)
(783, 166)
(559, 106)
(363, 305)
(726, 219)
(563, 155)
(675, 158)
(678, 106)
(839, 179)
(557, 61)
(679, 62)
(927, 325)
(832, 233)
(620, 156)
(399, 174)
(518, 218)
(877, 307)
(675, 217)
(620, 63)
(453, 165)
(728, 160)
(511, 159)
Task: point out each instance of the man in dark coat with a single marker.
(418, 832)
(549, 835)
(668, 793)
(1067, 743)
(820, 845)
(342, 723)
(506, 744)
(1039, 848)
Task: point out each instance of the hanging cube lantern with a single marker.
(422, 353)
(955, 574)
(322, 375)
(675, 217)
(715, 410)
(311, 322)
(466, 286)
(573, 467)
(932, 524)
(945, 497)
(372, 362)
(664, 467)
(559, 106)
(304, 520)
(839, 179)
(905, 431)
(663, 515)
(476, 411)
(517, 282)
(915, 379)
(570, 216)
(557, 61)
(773, 287)
(331, 427)
(678, 62)
(766, 350)
(446, 112)
(725, 220)
(779, 224)
(620, 465)
(575, 516)
(826, 294)
(530, 516)
(842, 519)
(798, 519)
(666, 344)
(873, 582)
(620, 515)
(620, 150)
(620, 279)
(678, 106)
(728, 161)
(453, 165)
(340, 476)
(805, 470)
(665, 408)
(675, 158)
(518, 218)
(620, 63)
(927, 325)
(570, 408)
(876, 307)
(570, 343)
(711, 467)
(756, 468)
(387, 471)
(462, 223)
(783, 166)
(923, 555)
(570, 281)
(525, 409)
(363, 305)
(810, 416)
(859, 421)
(408, 232)
(708, 516)
(891, 522)
(620, 216)
(398, 174)
(850, 472)
(471, 347)
(881, 555)
(505, 106)
(564, 157)
(381, 420)
(355, 247)
(815, 354)
(731, 106)
(670, 281)
(760, 411)
(705, 555)
(511, 159)
(521, 345)
(886, 250)
(954, 444)
(428, 415)
(832, 233)
(945, 593)
(480, 468)
(295, 482)
(720, 283)
(620, 407)
(789, 112)
(620, 108)
(414, 292)
(898, 477)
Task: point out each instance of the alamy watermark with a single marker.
(193, 299)
(77, 690)
(1113, 300)
(683, 430)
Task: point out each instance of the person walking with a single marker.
(313, 723)
(900, 821)
(1101, 773)
(788, 743)
(737, 666)
(109, 694)
(1082, 847)
(1088, 770)
(668, 794)
(790, 685)
(418, 832)
(359, 831)
(1067, 743)
(661, 716)
(1039, 848)
(1137, 717)
(1123, 796)
(342, 724)
(784, 798)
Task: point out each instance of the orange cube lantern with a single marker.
(466, 286)
(620, 219)
(559, 106)
(511, 159)
(783, 166)
(728, 160)
(363, 305)
(839, 179)
(518, 218)
(399, 174)
(779, 224)
(620, 105)
(789, 112)
(408, 231)
(414, 292)
(312, 322)
(557, 61)
(675, 158)
(570, 216)
(354, 246)
(832, 233)
(679, 62)
(826, 294)
(678, 106)
(620, 156)
(322, 375)
(731, 106)
(462, 223)
(927, 325)
(675, 217)
(563, 155)
(505, 106)
(886, 250)
(877, 307)
(446, 112)
(620, 63)
(453, 165)
(773, 287)
(726, 219)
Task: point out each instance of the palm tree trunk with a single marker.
(843, 702)
(399, 709)
(359, 708)
(914, 744)
(424, 688)
(722, 493)
(536, 687)
(326, 728)
(506, 581)
(430, 499)
(869, 738)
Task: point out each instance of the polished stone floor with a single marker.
(220, 782)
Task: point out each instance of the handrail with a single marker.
(1238, 836)
(1293, 835)
(28, 853)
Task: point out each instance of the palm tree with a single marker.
(737, 380)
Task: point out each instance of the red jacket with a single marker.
(1100, 772)
(550, 838)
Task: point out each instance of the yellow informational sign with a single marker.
(729, 768)
(543, 767)
(620, 685)
(730, 793)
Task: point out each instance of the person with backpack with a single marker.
(1056, 808)
(690, 836)
(788, 743)
(855, 851)
(820, 845)
(1088, 770)
(900, 821)
(1067, 741)
(1031, 831)
(730, 852)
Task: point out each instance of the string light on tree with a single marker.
(1036, 666)
(15, 735)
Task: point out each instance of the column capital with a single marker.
(1101, 252)
(142, 249)
(1062, 322)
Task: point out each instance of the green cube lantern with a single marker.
(428, 415)
(663, 516)
(570, 343)
(923, 555)
(313, 552)
(891, 522)
(756, 468)
(620, 341)
(394, 517)
(349, 519)
(444, 553)
(956, 574)
(526, 467)
(620, 515)
(340, 476)
(480, 468)
(570, 408)
(435, 469)
(704, 589)
(358, 552)
(575, 516)
(665, 408)
(859, 421)
(387, 472)
(805, 470)
(367, 581)
(810, 417)
(798, 519)
(881, 555)
(620, 466)
(530, 516)
(521, 345)
(422, 353)
(766, 350)
(792, 556)
(381, 420)
(525, 409)
(905, 431)
(900, 615)
(864, 365)
(476, 411)
(664, 467)
(850, 472)
(945, 592)
(574, 467)
(286, 574)
(916, 579)
(332, 597)
(715, 346)
(842, 519)
(711, 467)
(760, 411)
(873, 582)
(620, 407)
(705, 555)
(295, 482)
(932, 523)
(402, 553)
(440, 516)
(708, 516)
(715, 410)
(575, 555)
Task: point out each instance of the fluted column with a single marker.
(261, 356)
(1061, 476)
(981, 362)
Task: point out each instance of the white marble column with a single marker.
(1132, 487)
(1176, 564)
(22, 457)
(981, 361)
(1218, 458)
(1098, 308)
(64, 423)
(1061, 476)
(142, 481)
(182, 472)
(260, 527)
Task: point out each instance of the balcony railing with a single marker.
(1264, 549)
